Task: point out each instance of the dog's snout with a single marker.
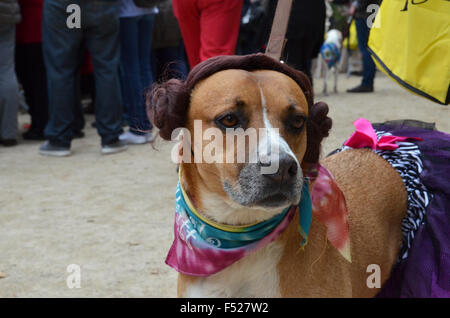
(287, 169)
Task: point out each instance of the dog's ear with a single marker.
(167, 104)
(318, 126)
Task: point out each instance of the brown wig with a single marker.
(168, 102)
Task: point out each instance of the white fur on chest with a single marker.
(255, 275)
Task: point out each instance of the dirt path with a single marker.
(113, 215)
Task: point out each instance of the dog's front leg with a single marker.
(336, 73)
(325, 83)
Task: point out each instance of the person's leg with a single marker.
(181, 67)
(78, 115)
(30, 71)
(9, 91)
(23, 68)
(362, 32)
(123, 91)
(145, 31)
(219, 23)
(102, 41)
(61, 46)
(130, 69)
(136, 35)
(145, 28)
(125, 107)
(155, 62)
(38, 90)
(188, 16)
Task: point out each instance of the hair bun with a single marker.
(320, 112)
(167, 105)
(318, 127)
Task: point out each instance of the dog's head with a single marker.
(255, 118)
(334, 36)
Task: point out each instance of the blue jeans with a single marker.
(62, 49)
(362, 32)
(135, 70)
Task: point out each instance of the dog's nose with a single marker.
(287, 169)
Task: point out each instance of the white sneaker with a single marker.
(134, 139)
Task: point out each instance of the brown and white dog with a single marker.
(256, 91)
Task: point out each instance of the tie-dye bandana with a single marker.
(203, 248)
(329, 207)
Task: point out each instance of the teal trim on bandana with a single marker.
(305, 208)
(246, 235)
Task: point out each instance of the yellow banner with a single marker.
(410, 42)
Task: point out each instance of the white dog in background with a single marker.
(329, 57)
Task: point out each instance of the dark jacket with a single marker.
(166, 32)
(9, 12)
(307, 16)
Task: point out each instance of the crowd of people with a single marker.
(127, 45)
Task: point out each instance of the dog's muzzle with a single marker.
(255, 188)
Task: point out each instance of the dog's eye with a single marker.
(228, 121)
(295, 123)
(298, 122)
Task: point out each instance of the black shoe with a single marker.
(114, 147)
(33, 135)
(361, 89)
(8, 142)
(47, 149)
(78, 134)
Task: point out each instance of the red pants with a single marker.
(209, 27)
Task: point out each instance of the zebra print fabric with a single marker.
(406, 159)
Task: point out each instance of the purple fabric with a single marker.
(426, 271)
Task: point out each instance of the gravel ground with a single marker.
(113, 215)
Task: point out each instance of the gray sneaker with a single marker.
(47, 149)
(114, 147)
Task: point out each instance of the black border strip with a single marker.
(130, 307)
(406, 85)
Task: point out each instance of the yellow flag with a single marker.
(410, 42)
